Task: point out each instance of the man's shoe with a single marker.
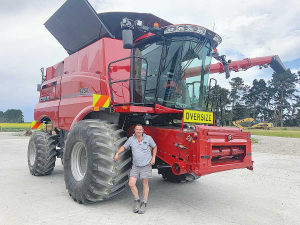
(137, 205)
(143, 208)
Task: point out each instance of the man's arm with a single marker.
(154, 151)
(116, 158)
(122, 149)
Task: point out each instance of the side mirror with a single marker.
(227, 72)
(225, 64)
(127, 37)
(38, 88)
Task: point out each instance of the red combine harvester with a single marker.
(118, 76)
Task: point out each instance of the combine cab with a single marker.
(145, 71)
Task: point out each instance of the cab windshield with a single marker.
(178, 71)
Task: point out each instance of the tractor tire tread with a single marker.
(106, 178)
(45, 145)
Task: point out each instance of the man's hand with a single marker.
(154, 151)
(152, 162)
(116, 158)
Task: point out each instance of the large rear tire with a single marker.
(91, 174)
(41, 153)
(168, 175)
(63, 140)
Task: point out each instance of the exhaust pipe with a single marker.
(163, 166)
(179, 168)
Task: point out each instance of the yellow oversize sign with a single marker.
(191, 116)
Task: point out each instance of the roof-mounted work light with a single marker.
(139, 23)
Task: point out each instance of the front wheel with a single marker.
(41, 153)
(91, 174)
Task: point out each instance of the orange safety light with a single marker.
(156, 25)
(215, 50)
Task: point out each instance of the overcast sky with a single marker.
(249, 28)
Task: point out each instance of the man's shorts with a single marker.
(143, 172)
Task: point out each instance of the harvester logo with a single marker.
(36, 125)
(100, 101)
(191, 116)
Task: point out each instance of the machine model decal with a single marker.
(83, 90)
(191, 116)
(100, 101)
(76, 95)
(45, 98)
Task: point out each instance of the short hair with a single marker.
(139, 125)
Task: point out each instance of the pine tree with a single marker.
(284, 85)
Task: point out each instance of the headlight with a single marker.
(217, 39)
(185, 28)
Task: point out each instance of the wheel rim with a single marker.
(32, 153)
(79, 161)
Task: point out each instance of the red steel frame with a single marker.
(203, 151)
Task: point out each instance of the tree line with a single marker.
(11, 116)
(274, 101)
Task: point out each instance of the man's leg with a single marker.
(133, 188)
(146, 173)
(135, 193)
(145, 189)
(145, 196)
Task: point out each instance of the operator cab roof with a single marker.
(113, 20)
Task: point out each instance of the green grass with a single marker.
(277, 132)
(286, 128)
(254, 141)
(14, 129)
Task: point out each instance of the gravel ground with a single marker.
(268, 195)
(277, 145)
(12, 135)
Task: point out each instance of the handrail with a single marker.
(129, 79)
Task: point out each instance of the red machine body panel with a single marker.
(49, 101)
(55, 71)
(204, 150)
(84, 73)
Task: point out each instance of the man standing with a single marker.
(140, 144)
